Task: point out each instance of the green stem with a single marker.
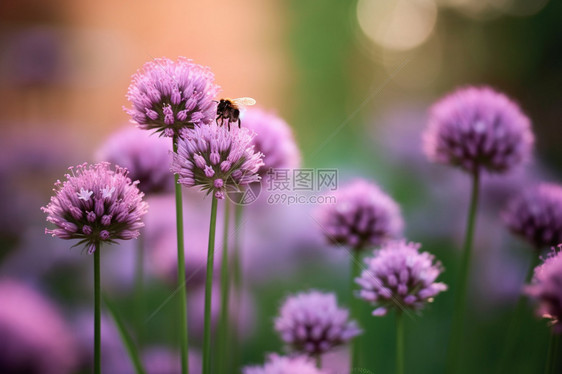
(125, 337)
(319, 361)
(181, 271)
(97, 311)
(460, 297)
(225, 293)
(139, 290)
(512, 336)
(209, 290)
(355, 309)
(550, 354)
(399, 343)
(237, 281)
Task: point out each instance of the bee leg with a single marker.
(239, 124)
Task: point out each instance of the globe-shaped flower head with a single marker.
(536, 215)
(546, 289)
(312, 323)
(478, 128)
(362, 216)
(168, 96)
(399, 277)
(216, 159)
(146, 157)
(274, 138)
(284, 365)
(96, 204)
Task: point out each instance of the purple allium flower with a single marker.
(477, 127)
(147, 158)
(362, 216)
(536, 215)
(96, 204)
(169, 96)
(312, 323)
(546, 289)
(274, 138)
(34, 337)
(216, 159)
(399, 276)
(285, 365)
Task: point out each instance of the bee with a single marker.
(229, 109)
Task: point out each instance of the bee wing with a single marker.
(244, 101)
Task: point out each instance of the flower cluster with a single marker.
(546, 289)
(362, 216)
(536, 215)
(274, 138)
(477, 127)
(96, 204)
(169, 96)
(399, 276)
(146, 157)
(216, 159)
(285, 365)
(313, 323)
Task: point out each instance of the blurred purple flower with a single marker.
(399, 276)
(169, 96)
(34, 337)
(477, 127)
(96, 204)
(157, 360)
(536, 215)
(146, 157)
(546, 289)
(274, 138)
(362, 216)
(312, 323)
(216, 159)
(33, 56)
(285, 365)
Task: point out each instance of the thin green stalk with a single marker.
(237, 281)
(97, 311)
(225, 293)
(125, 337)
(139, 290)
(460, 296)
(550, 354)
(209, 290)
(355, 309)
(319, 361)
(513, 329)
(181, 272)
(399, 343)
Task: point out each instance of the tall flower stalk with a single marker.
(362, 217)
(97, 311)
(209, 289)
(182, 300)
(475, 129)
(224, 328)
(216, 160)
(171, 97)
(462, 280)
(96, 204)
(399, 277)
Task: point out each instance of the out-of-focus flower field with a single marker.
(349, 90)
